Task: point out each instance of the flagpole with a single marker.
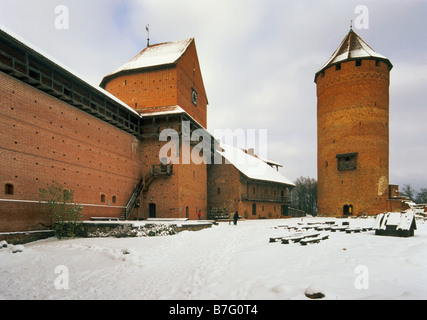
(147, 27)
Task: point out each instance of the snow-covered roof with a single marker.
(64, 67)
(351, 48)
(157, 55)
(251, 166)
(160, 111)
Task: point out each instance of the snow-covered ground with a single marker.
(223, 262)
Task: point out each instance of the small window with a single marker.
(8, 188)
(377, 63)
(114, 199)
(102, 197)
(338, 66)
(219, 190)
(347, 161)
(358, 63)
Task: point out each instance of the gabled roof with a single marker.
(156, 55)
(353, 47)
(251, 166)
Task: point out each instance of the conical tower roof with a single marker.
(353, 47)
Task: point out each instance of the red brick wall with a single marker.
(172, 195)
(353, 116)
(224, 177)
(43, 139)
(190, 76)
(153, 88)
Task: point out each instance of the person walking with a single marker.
(235, 218)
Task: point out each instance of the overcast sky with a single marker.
(258, 60)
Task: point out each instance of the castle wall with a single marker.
(353, 118)
(44, 140)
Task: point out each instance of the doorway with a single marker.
(254, 209)
(152, 210)
(348, 210)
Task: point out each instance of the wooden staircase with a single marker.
(133, 200)
(144, 185)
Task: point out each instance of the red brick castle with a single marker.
(104, 142)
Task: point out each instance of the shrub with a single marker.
(65, 216)
(145, 231)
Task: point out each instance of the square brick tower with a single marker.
(353, 130)
(164, 84)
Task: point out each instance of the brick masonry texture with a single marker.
(353, 117)
(43, 139)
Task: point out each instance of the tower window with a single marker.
(8, 188)
(338, 66)
(358, 63)
(102, 197)
(347, 161)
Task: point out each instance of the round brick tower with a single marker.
(353, 130)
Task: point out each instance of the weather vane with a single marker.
(147, 27)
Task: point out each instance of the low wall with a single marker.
(25, 236)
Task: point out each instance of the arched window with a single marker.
(114, 199)
(102, 197)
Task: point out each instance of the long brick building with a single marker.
(106, 142)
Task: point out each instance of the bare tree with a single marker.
(304, 195)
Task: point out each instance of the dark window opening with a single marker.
(8, 188)
(114, 199)
(347, 161)
(358, 63)
(338, 66)
(102, 197)
(219, 190)
(377, 63)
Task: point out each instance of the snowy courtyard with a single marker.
(224, 262)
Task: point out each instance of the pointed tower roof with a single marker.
(156, 55)
(353, 47)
